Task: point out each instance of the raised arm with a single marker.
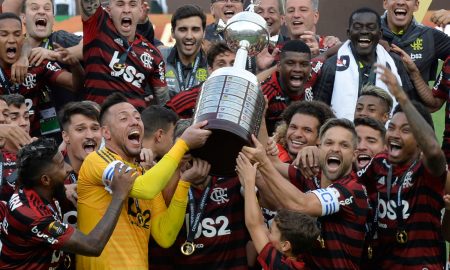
(253, 217)
(166, 223)
(425, 93)
(88, 8)
(147, 186)
(285, 192)
(93, 243)
(434, 158)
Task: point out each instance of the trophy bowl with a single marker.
(231, 99)
(233, 104)
(248, 27)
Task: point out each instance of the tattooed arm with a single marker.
(434, 158)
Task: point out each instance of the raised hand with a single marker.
(123, 181)
(257, 153)
(246, 170)
(195, 136)
(307, 161)
(390, 80)
(197, 173)
(146, 158)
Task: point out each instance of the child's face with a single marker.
(275, 237)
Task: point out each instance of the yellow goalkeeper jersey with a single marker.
(128, 246)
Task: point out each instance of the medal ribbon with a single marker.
(6, 83)
(191, 76)
(123, 56)
(399, 208)
(195, 216)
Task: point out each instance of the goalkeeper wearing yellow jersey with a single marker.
(145, 211)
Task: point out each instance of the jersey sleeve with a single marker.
(92, 26)
(367, 174)
(352, 200)
(271, 258)
(184, 101)
(51, 71)
(316, 68)
(442, 86)
(167, 222)
(157, 78)
(65, 39)
(442, 43)
(148, 185)
(49, 232)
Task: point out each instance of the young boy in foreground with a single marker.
(290, 235)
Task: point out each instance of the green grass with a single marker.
(439, 123)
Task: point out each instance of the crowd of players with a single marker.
(345, 173)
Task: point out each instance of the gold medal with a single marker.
(321, 241)
(140, 219)
(119, 66)
(402, 237)
(369, 252)
(187, 248)
(67, 261)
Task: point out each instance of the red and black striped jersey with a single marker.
(33, 89)
(184, 102)
(9, 175)
(279, 99)
(442, 90)
(103, 46)
(32, 233)
(272, 259)
(343, 233)
(221, 237)
(421, 204)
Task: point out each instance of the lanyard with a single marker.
(1, 168)
(123, 57)
(195, 216)
(58, 214)
(399, 208)
(46, 44)
(6, 83)
(190, 80)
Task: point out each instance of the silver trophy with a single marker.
(231, 99)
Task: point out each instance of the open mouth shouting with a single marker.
(41, 24)
(400, 13)
(11, 52)
(394, 148)
(333, 167)
(296, 81)
(89, 146)
(134, 137)
(126, 23)
(362, 160)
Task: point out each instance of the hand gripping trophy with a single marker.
(231, 99)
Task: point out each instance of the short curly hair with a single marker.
(34, 159)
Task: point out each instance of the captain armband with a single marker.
(329, 199)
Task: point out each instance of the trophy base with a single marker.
(230, 138)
